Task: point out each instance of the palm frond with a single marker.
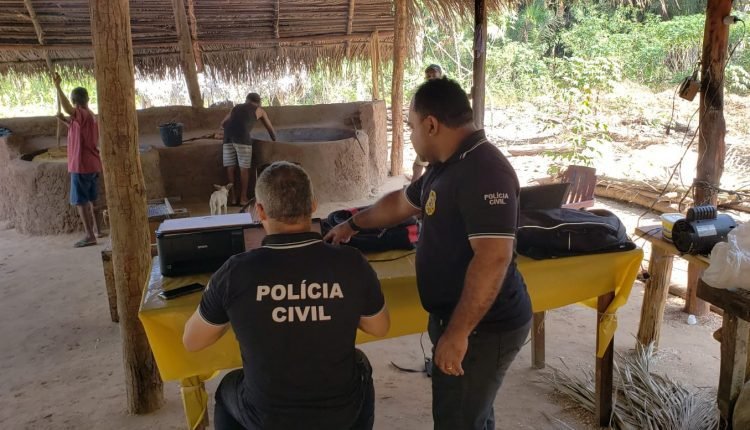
(644, 399)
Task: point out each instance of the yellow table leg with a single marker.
(195, 402)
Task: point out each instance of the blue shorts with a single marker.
(83, 188)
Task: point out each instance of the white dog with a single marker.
(219, 198)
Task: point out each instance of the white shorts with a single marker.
(237, 153)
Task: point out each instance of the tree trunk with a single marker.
(126, 195)
(711, 146)
(397, 89)
(480, 60)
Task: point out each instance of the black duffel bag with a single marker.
(402, 236)
(553, 233)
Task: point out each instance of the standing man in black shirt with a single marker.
(295, 305)
(238, 145)
(433, 71)
(480, 311)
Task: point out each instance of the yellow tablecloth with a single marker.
(551, 284)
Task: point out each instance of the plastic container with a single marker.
(171, 134)
(667, 222)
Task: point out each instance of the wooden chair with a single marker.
(582, 182)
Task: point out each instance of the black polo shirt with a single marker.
(294, 305)
(472, 195)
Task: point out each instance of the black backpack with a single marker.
(402, 236)
(553, 233)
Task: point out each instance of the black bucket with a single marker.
(171, 134)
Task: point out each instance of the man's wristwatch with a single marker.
(352, 225)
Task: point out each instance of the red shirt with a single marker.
(83, 136)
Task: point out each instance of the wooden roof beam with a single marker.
(359, 37)
(276, 19)
(336, 38)
(39, 32)
(349, 27)
(187, 55)
(276, 13)
(193, 21)
(375, 64)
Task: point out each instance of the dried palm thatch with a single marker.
(447, 11)
(644, 400)
(230, 38)
(233, 65)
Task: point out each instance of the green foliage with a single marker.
(737, 79)
(650, 51)
(22, 95)
(516, 70)
(579, 82)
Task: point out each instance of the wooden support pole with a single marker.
(349, 27)
(694, 305)
(655, 297)
(734, 356)
(187, 56)
(711, 145)
(480, 61)
(375, 64)
(397, 89)
(604, 367)
(538, 354)
(126, 195)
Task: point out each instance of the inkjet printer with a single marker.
(200, 244)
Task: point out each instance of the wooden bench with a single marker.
(657, 285)
(153, 222)
(735, 336)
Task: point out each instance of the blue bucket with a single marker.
(171, 134)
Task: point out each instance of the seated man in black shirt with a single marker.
(295, 305)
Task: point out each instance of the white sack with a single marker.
(730, 261)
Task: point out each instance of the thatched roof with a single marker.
(448, 10)
(231, 38)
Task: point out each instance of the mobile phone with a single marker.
(181, 291)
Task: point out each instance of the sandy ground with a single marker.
(62, 365)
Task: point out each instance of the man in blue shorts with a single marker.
(84, 163)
